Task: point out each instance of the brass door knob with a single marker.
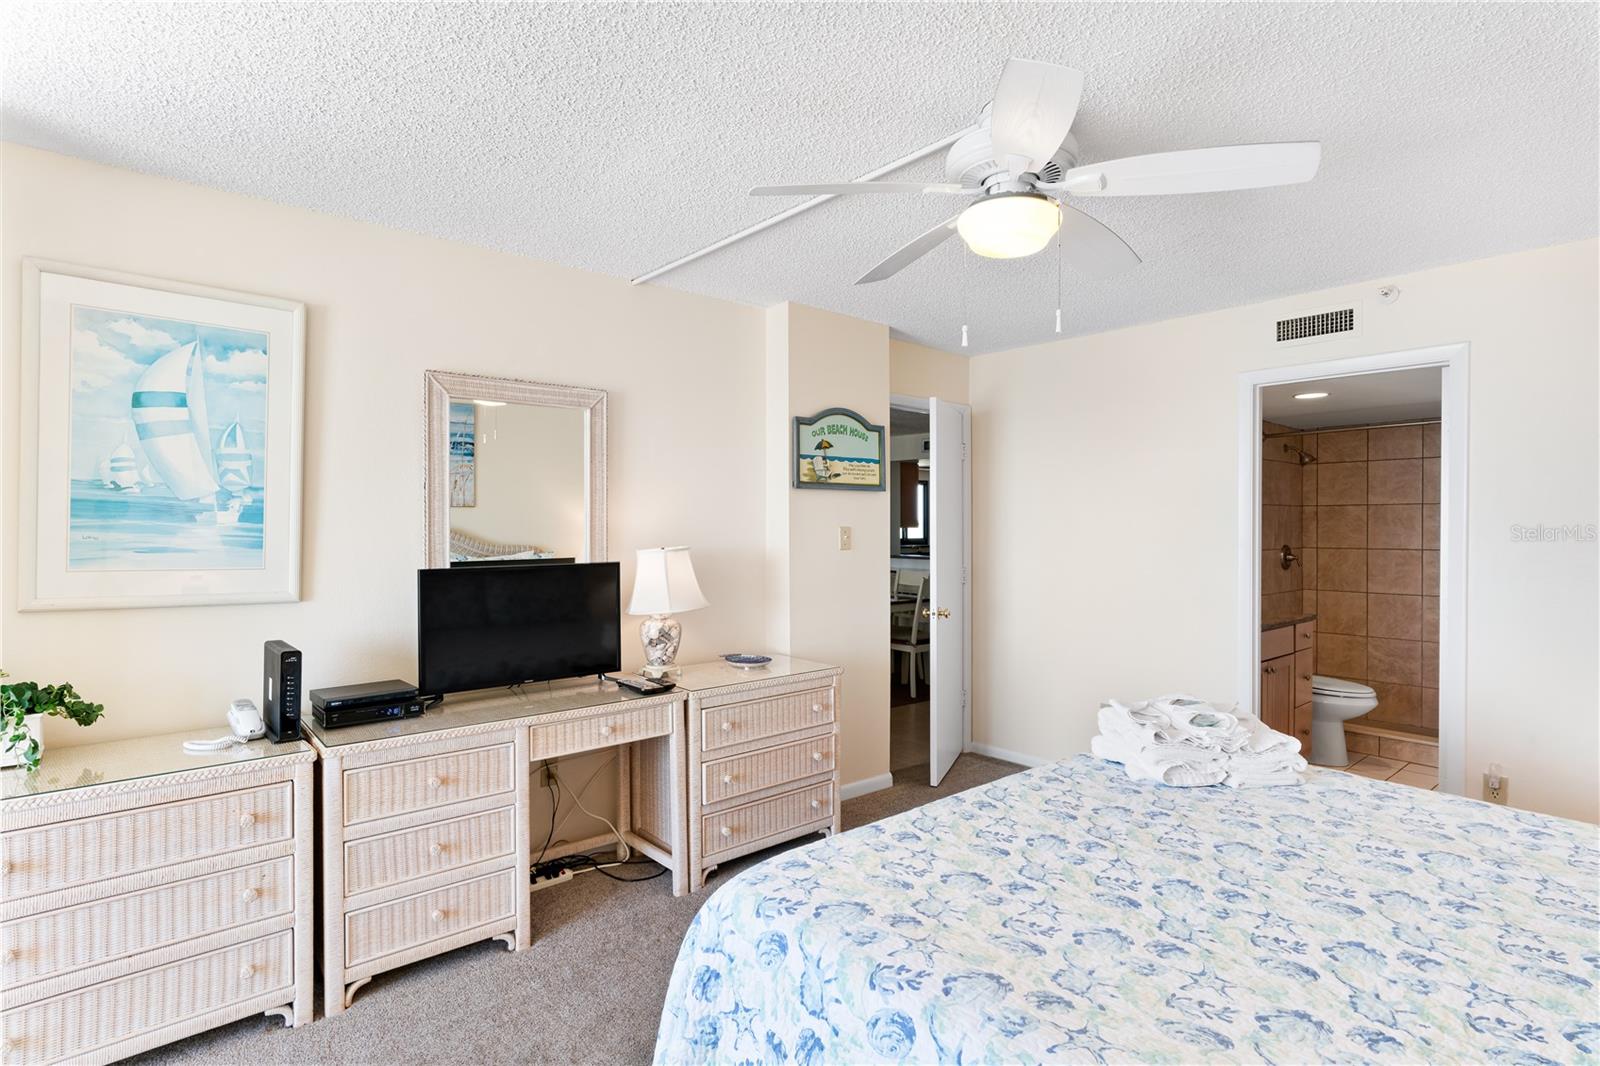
(942, 612)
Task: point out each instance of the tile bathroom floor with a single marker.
(1404, 773)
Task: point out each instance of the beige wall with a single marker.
(917, 370)
(1372, 565)
(531, 468)
(383, 306)
(834, 608)
(1118, 569)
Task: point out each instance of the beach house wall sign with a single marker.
(838, 449)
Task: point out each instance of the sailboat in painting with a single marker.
(119, 470)
(233, 461)
(169, 411)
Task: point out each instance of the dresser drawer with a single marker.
(586, 734)
(394, 857)
(1276, 642)
(739, 775)
(405, 923)
(772, 818)
(739, 723)
(94, 849)
(73, 1025)
(107, 929)
(372, 792)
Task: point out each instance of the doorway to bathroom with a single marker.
(1352, 494)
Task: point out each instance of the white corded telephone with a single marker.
(245, 721)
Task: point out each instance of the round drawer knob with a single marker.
(727, 727)
(727, 831)
(816, 708)
(605, 731)
(727, 779)
(246, 821)
(435, 782)
(246, 972)
(436, 849)
(815, 804)
(816, 756)
(249, 895)
(437, 916)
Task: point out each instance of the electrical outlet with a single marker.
(844, 538)
(1496, 786)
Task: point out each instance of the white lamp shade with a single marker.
(664, 583)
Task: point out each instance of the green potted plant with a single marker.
(23, 706)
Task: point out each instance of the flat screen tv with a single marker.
(484, 627)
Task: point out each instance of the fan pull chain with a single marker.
(1058, 281)
(966, 283)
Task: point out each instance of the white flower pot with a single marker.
(34, 723)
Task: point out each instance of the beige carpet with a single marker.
(589, 990)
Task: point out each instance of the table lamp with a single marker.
(663, 584)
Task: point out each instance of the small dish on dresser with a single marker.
(746, 662)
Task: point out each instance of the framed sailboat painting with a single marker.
(163, 454)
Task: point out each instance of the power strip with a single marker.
(559, 877)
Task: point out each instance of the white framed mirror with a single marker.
(515, 470)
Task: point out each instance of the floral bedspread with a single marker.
(1067, 914)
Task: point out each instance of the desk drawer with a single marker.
(405, 923)
(396, 788)
(769, 820)
(395, 857)
(94, 849)
(73, 1025)
(586, 734)
(739, 775)
(739, 723)
(108, 929)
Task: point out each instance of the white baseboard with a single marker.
(866, 785)
(1007, 756)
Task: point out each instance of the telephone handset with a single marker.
(244, 718)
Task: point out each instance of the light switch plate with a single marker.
(844, 538)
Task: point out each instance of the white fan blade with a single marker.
(1033, 109)
(1237, 166)
(910, 253)
(1091, 246)
(851, 188)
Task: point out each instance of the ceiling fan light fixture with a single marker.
(1010, 225)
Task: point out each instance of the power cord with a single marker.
(577, 798)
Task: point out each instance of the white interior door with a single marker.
(946, 615)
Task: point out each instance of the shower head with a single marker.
(1304, 456)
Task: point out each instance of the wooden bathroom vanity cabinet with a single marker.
(1288, 654)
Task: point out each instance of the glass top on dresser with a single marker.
(698, 677)
(485, 708)
(549, 697)
(111, 761)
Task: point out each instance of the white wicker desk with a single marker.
(147, 894)
(426, 834)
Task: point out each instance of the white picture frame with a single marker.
(87, 540)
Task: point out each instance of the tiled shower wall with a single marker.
(1371, 529)
(1282, 522)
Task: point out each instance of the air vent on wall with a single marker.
(1316, 325)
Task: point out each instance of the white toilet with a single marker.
(1334, 701)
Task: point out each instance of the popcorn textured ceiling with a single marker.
(615, 138)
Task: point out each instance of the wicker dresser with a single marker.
(763, 749)
(425, 822)
(147, 894)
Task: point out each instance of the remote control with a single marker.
(638, 683)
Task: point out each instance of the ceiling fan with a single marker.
(1021, 161)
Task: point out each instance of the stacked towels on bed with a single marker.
(1179, 740)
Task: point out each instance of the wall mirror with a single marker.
(516, 470)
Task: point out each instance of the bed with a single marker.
(1067, 914)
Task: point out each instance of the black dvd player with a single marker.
(365, 714)
(341, 697)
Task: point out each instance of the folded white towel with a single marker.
(1182, 767)
(1180, 740)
